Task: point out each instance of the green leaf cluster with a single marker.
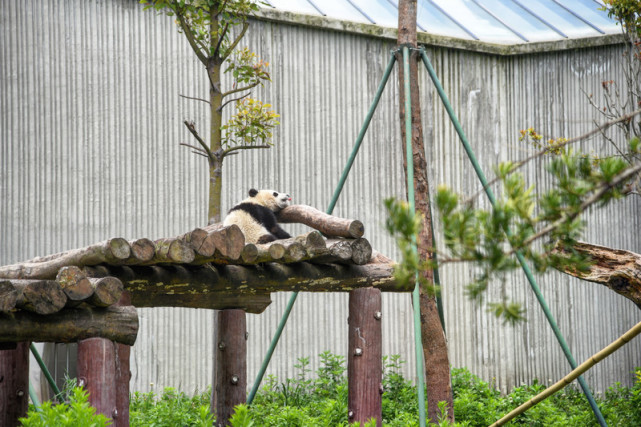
(77, 412)
(542, 227)
(404, 225)
(251, 125)
(625, 12)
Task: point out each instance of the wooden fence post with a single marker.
(231, 363)
(364, 357)
(97, 373)
(14, 383)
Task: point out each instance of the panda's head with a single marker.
(271, 199)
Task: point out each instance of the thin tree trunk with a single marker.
(437, 369)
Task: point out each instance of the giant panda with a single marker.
(256, 216)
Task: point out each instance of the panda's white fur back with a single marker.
(255, 216)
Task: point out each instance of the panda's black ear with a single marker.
(253, 192)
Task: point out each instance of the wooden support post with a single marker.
(123, 375)
(14, 384)
(97, 372)
(231, 364)
(364, 357)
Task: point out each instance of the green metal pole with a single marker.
(34, 397)
(519, 255)
(45, 371)
(418, 344)
(330, 209)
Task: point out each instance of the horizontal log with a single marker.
(618, 269)
(8, 296)
(142, 250)
(74, 283)
(39, 296)
(191, 286)
(172, 251)
(118, 324)
(106, 291)
(113, 251)
(229, 240)
(327, 224)
(199, 240)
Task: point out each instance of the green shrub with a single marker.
(76, 413)
(322, 401)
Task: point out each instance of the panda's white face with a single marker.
(271, 199)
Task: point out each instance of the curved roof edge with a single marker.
(435, 40)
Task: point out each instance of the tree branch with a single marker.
(230, 151)
(542, 153)
(240, 89)
(191, 39)
(220, 40)
(219, 109)
(195, 99)
(192, 129)
(235, 43)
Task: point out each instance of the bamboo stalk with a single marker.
(583, 367)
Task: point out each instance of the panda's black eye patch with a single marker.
(275, 194)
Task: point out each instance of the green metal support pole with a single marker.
(45, 371)
(34, 397)
(330, 209)
(418, 343)
(519, 255)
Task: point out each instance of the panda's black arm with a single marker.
(279, 232)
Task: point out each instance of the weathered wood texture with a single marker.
(364, 356)
(618, 269)
(70, 325)
(14, 384)
(112, 251)
(70, 288)
(97, 373)
(437, 366)
(231, 368)
(199, 287)
(325, 223)
(39, 296)
(123, 374)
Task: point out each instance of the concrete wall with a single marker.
(91, 119)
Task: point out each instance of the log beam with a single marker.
(325, 223)
(618, 269)
(198, 287)
(118, 324)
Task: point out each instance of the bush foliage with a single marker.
(321, 400)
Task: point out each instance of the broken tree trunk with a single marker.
(72, 324)
(325, 223)
(364, 356)
(618, 269)
(14, 384)
(437, 367)
(114, 251)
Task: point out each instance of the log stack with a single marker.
(209, 267)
